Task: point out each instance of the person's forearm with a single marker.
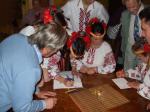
(60, 79)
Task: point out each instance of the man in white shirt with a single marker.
(79, 12)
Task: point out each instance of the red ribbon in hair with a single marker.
(73, 37)
(47, 18)
(88, 29)
(87, 40)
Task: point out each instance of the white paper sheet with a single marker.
(121, 83)
(77, 81)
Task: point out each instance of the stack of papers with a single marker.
(65, 74)
(121, 83)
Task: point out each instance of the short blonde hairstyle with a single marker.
(51, 36)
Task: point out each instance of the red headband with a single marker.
(88, 28)
(76, 35)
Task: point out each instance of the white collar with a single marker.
(141, 8)
(28, 31)
(39, 55)
(80, 5)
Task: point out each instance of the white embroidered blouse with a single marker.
(78, 17)
(102, 58)
(142, 74)
(51, 64)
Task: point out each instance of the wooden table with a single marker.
(65, 103)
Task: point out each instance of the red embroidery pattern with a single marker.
(141, 71)
(109, 59)
(83, 15)
(144, 73)
(81, 19)
(87, 16)
(132, 74)
(91, 55)
(53, 60)
(140, 66)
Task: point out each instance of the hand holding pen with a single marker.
(69, 81)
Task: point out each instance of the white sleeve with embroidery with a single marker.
(53, 71)
(144, 88)
(53, 68)
(138, 73)
(109, 64)
(77, 63)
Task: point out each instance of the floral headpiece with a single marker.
(76, 35)
(47, 17)
(48, 14)
(146, 48)
(93, 21)
(141, 46)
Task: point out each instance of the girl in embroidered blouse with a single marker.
(76, 45)
(99, 57)
(141, 72)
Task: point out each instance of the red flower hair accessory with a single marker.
(146, 48)
(49, 14)
(47, 17)
(73, 37)
(87, 40)
(88, 28)
(94, 20)
(76, 35)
